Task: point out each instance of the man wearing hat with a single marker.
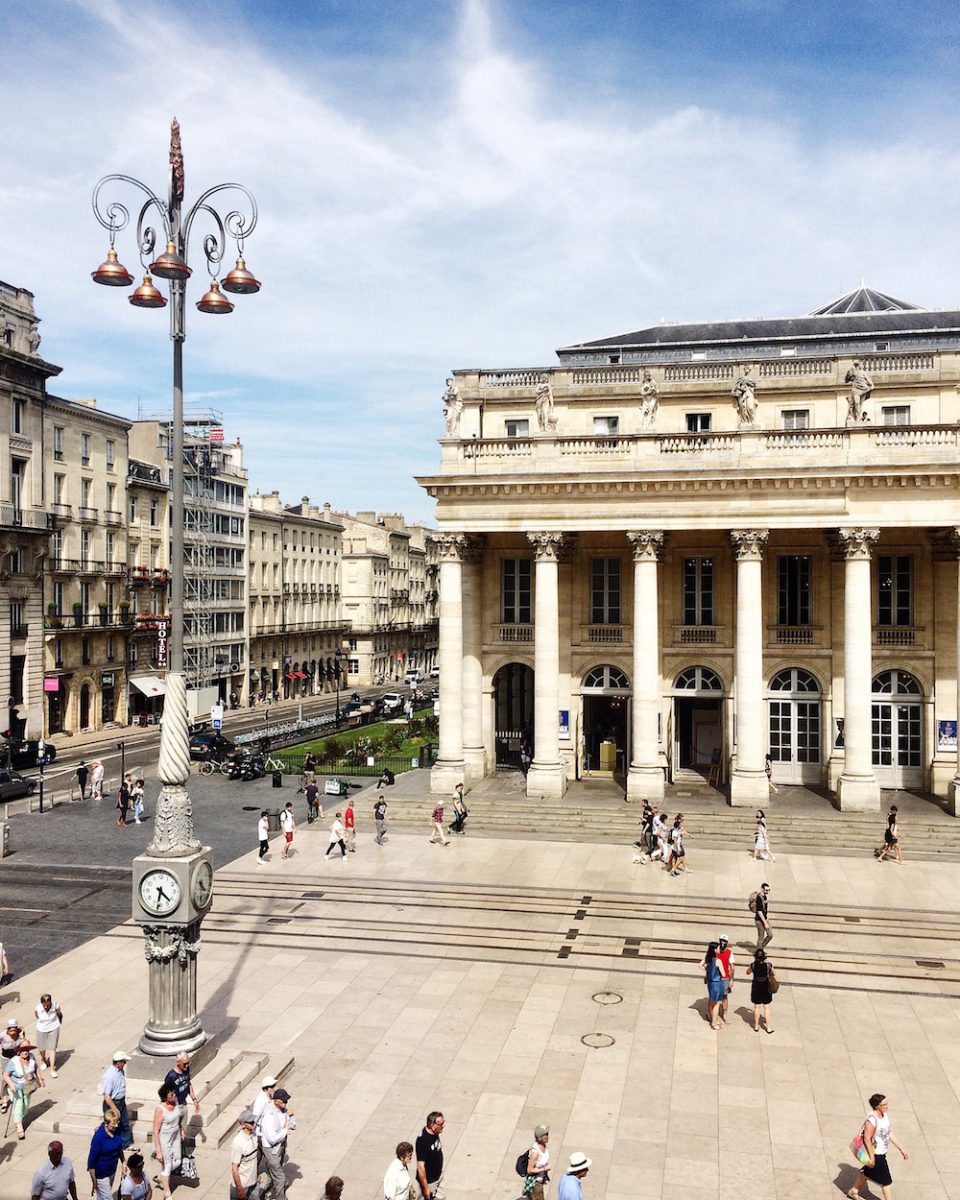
(275, 1124)
(113, 1085)
(262, 1099)
(571, 1185)
(244, 1152)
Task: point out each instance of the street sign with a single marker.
(217, 724)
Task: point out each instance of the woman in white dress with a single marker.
(135, 1184)
(167, 1135)
(761, 841)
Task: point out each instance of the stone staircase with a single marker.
(223, 1087)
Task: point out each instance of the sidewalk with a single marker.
(412, 976)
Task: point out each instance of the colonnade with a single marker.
(461, 748)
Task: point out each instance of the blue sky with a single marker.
(456, 184)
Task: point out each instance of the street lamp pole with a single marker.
(173, 879)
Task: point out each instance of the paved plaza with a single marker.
(473, 978)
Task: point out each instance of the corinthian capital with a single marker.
(473, 548)
(647, 544)
(749, 544)
(550, 547)
(857, 543)
(450, 546)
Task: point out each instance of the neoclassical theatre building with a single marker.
(680, 550)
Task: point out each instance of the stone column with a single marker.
(645, 779)
(858, 789)
(448, 770)
(953, 791)
(546, 776)
(473, 754)
(748, 783)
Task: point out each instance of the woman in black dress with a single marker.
(760, 994)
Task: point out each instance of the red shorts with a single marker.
(288, 836)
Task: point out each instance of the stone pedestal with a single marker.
(645, 778)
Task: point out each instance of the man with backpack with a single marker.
(759, 905)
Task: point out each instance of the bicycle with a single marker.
(274, 764)
(214, 765)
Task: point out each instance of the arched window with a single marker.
(795, 680)
(896, 683)
(698, 679)
(605, 679)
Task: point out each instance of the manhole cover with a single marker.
(608, 997)
(598, 1041)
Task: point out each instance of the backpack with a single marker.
(523, 1162)
(752, 902)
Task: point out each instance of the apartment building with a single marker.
(295, 625)
(148, 588)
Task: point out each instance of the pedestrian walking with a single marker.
(761, 841)
(312, 793)
(571, 1184)
(244, 1155)
(538, 1164)
(437, 835)
(135, 1185)
(54, 1179)
(136, 798)
(526, 758)
(49, 1019)
(337, 831)
(288, 826)
(725, 954)
(96, 780)
(459, 813)
(178, 1077)
(380, 819)
(677, 861)
(759, 905)
(10, 1041)
(350, 825)
(397, 1184)
(891, 839)
(113, 1085)
(168, 1133)
(768, 771)
(22, 1078)
(276, 1123)
(83, 774)
(4, 963)
(661, 833)
(877, 1140)
(263, 837)
(333, 1188)
(105, 1155)
(715, 978)
(761, 995)
(429, 1151)
(123, 800)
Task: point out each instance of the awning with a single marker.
(150, 685)
(294, 675)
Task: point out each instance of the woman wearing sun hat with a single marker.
(22, 1079)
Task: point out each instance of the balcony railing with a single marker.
(112, 517)
(90, 620)
(15, 516)
(514, 633)
(602, 634)
(697, 635)
(19, 630)
(896, 635)
(272, 628)
(85, 566)
(87, 514)
(63, 510)
(794, 635)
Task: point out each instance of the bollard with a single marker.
(4, 839)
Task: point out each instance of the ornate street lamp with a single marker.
(173, 879)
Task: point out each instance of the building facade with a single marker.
(148, 589)
(296, 631)
(685, 548)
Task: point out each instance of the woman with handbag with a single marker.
(715, 977)
(167, 1135)
(22, 1079)
(761, 988)
(875, 1139)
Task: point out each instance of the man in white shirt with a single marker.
(275, 1124)
(263, 1098)
(244, 1151)
(263, 837)
(54, 1180)
(396, 1180)
(288, 826)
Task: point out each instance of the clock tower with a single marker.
(172, 892)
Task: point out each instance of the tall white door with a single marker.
(898, 744)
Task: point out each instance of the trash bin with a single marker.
(4, 839)
(278, 779)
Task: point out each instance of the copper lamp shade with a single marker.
(170, 265)
(214, 301)
(147, 296)
(240, 281)
(112, 273)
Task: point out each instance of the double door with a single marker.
(795, 741)
(898, 744)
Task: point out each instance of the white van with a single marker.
(435, 672)
(413, 677)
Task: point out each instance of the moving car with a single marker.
(206, 746)
(392, 702)
(13, 784)
(27, 754)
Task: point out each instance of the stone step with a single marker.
(220, 1126)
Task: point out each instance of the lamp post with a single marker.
(173, 879)
(338, 659)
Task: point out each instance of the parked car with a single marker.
(206, 746)
(413, 677)
(392, 702)
(13, 784)
(27, 754)
(435, 672)
(351, 708)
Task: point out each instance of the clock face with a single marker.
(159, 892)
(202, 885)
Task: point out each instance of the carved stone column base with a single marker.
(749, 789)
(646, 783)
(445, 775)
(953, 797)
(546, 781)
(858, 794)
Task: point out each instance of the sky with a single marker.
(464, 183)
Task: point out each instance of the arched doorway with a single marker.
(606, 704)
(512, 713)
(84, 721)
(795, 726)
(697, 734)
(897, 728)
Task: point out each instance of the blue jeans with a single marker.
(124, 1129)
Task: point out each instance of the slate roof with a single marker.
(865, 299)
